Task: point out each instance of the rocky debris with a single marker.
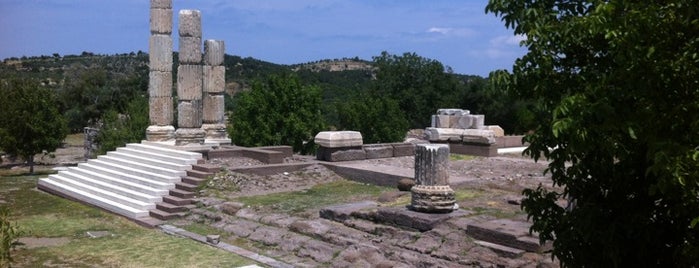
(390, 197)
(405, 184)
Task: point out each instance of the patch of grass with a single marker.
(39, 214)
(462, 194)
(455, 157)
(77, 139)
(319, 196)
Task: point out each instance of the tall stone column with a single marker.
(432, 192)
(160, 111)
(214, 72)
(189, 80)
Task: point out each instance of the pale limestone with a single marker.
(215, 131)
(497, 130)
(432, 164)
(160, 133)
(160, 53)
(189, 82)
(164, 4)
(464, 122)
(190, 23)
(214, 79)
(161, 21)
(190, 50)
(160, 84)
(213, 109)
(478, 121)
(443, 121)
(160, 111)
(214, 51)
(185, 136)
(189, 114)
(455, 134)
(338, 139)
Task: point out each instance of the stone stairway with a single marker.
(138, 181)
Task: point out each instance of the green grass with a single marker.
(317, 197)
(77, 139)
(455, 157)
(39, 214)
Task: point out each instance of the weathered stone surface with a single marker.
(214, 51)
(487, 150)
(189, 83)
(406, 218)
(190, 50)
(161, 21)
(268, 236)
(189, 114)
(160, 84)
(340, 154)
(374, 151)
(160, 133)
(190, 23)
(432, 199)
(432, 164)
(165, 4)
(231, 208)
(343, 212)
(160, 53)
(215, 131)
(497, 130)
(160, 111)
(506, 232)
(214, 78)
(483, 136)
(452, 111)
(478, 121)
(405, 184)
(464, 122)
(443, 121)
(335, 139)
(213, 109)
(317, 250)
(403, 149)
(184, 136)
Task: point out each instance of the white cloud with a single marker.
(447, 31)
(507, 40)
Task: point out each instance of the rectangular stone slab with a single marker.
(336, 139)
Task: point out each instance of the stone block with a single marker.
(214, 51)
(478, 121)
(432, 198)
(190, 50)
(486, 150)
(497, 130)
(213, 109)
(160, 133)
(340, 154)
(483, 136)
(215, 131)
(160, 84)
(214, 78)
(433, 120)
(189, 82)
(337, 139)
(190, 23)
(185, 136)
(374, 151)
(454, 121)
(403, 149)
(164, 4)
(161, 21)
(452, 111)
(160, 52)
(465, 121)
(160, 111)
(189, 114)
(443, 121)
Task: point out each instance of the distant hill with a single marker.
(336, 65)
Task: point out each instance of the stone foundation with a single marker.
(432, 199)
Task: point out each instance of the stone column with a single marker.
(214, 123)
(432, 192)
(160, 111)
(189, 80)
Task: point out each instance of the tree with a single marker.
(619, 97)
(119, 129)
(420, 85)
(278, 111)
(379, 119)
(30, 121)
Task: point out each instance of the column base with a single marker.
(185, 136)
(433, 199)
(216, 133)
(160, 133)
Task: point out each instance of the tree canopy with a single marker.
(30, 122)
(618, 84)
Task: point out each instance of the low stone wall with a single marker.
(510, 141)
(366, 151)
(267, 155)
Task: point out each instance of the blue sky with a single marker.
(457, 33)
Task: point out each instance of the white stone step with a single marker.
(115, 207)
(124, 177)
(104, 193)
(107, 178)
(150, 161)
(157, 156)
(110, 187)
(134, 171)
(142, 166)
(166, 151)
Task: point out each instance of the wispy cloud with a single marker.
(507, 40)
(452, 32)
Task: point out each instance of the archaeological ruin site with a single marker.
(449, 195)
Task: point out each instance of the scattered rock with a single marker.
(231, 208)
(388, 197)
(405, 184)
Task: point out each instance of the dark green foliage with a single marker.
(420, 85)
(380, 120)
(278, 111)
(30, 122)
(9, 233)
(619, 98)
(119, 129)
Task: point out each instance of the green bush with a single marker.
(9, 233)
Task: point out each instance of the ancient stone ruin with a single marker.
(432, 192)
(465, 133)
(200, 105)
